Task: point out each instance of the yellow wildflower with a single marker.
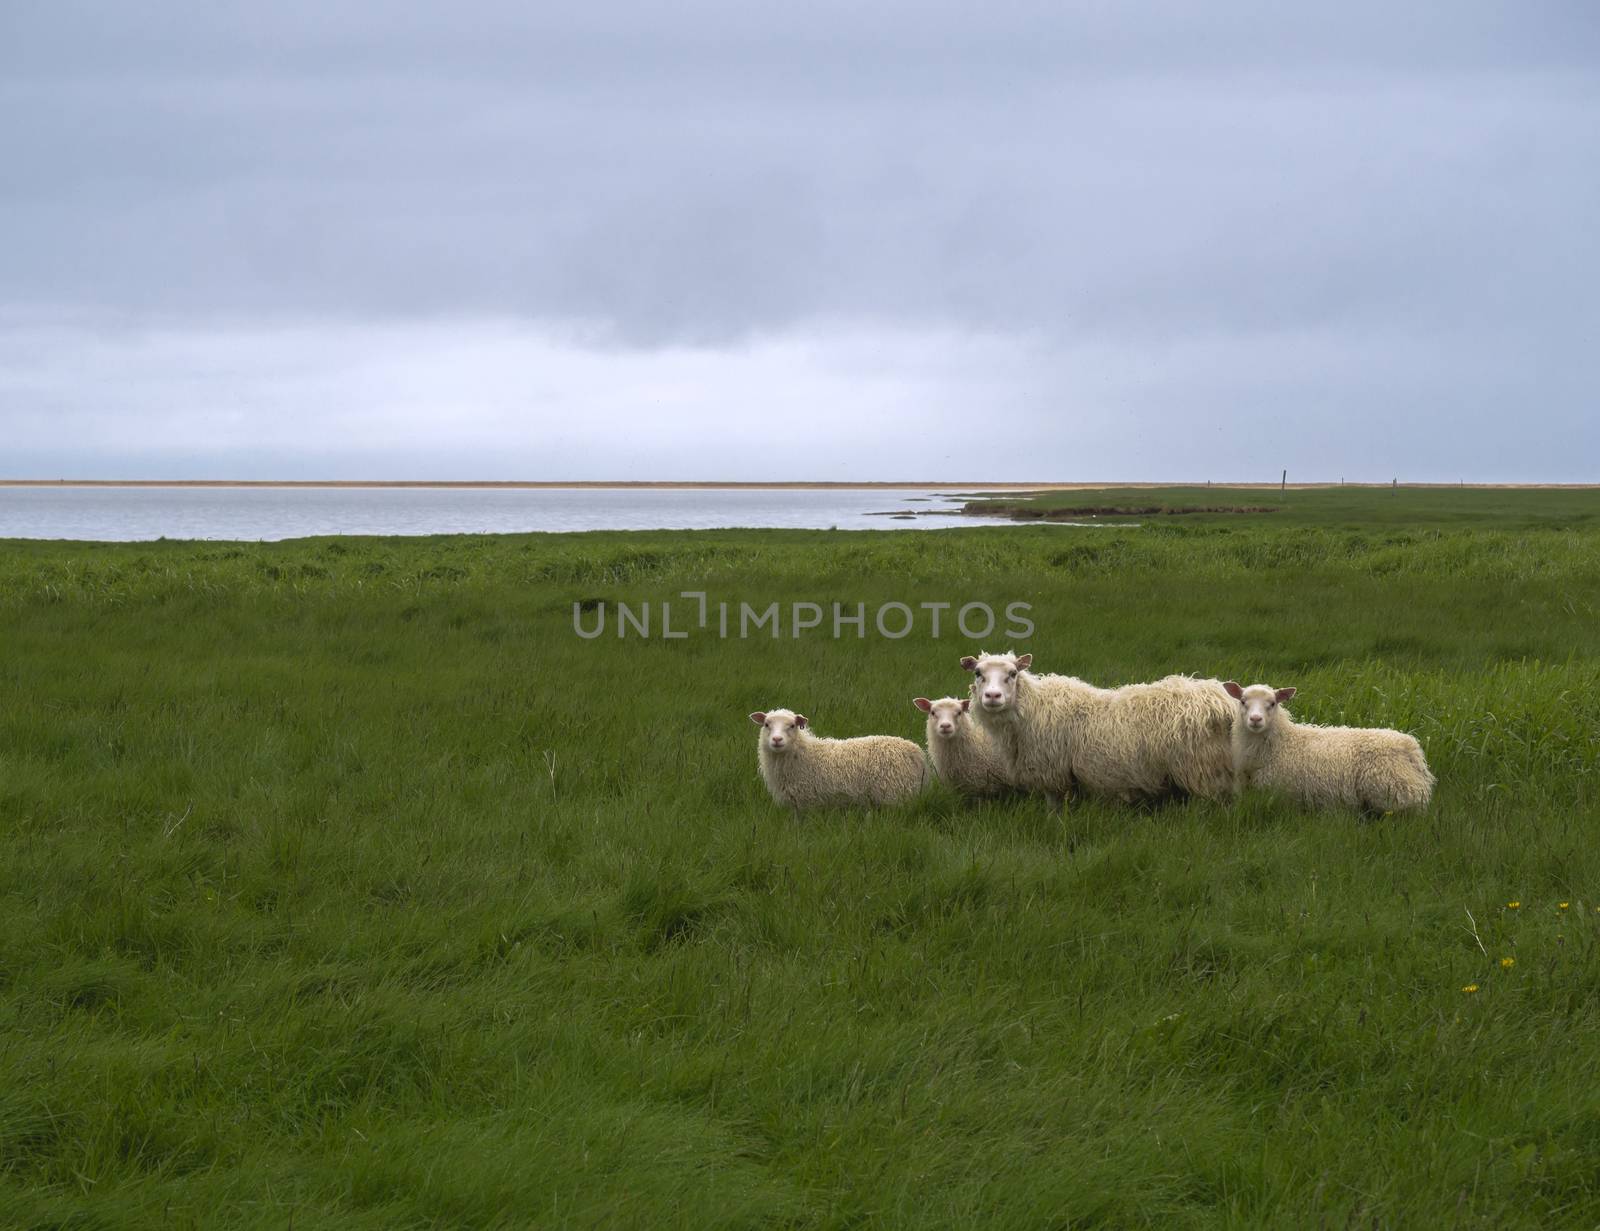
(1563, 905)
(1506, 963)
(1470, 988)
(1513, 905)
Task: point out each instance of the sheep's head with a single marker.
(1258, 704)
(946, 714)
(779, 728)
(995, 678)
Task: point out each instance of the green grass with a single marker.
(342, 881)
(1338, 507)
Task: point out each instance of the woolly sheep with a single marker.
(1137, 741)
(964, 755)
(1324, 767)
(803, 770)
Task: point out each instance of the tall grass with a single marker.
(344, 882)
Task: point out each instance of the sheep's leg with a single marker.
(796, 810)
(1373, 810)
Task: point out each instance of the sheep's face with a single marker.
(947, 715)
(1258, 704)
(779, 728)
(995, 679)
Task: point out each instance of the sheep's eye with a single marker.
(1272, 705)
(977, 675)
(1012, 676)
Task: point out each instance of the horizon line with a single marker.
(774, 484)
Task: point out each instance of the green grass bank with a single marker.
(344, 883)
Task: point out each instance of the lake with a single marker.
(127, 514)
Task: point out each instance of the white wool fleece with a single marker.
(1372, 768)
(802, 770)
(965, 756)
(1132, 742)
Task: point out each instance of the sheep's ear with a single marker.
(1024, 662)
(1231, 687)
(1284, 694)
(922, 703)
(758, 717)
(801, 721)
(968, 663)
(966, 704)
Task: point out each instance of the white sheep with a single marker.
(803, 770)
(1372, 768)
(1133, 742)
(965, 756)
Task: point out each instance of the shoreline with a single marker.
(736, 485)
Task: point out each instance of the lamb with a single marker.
(1134, 742)
(966, 758)
(1372, 768)
(803, 770)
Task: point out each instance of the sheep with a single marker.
(964, 755)
(1134, 742)
(1372, 768)
(803, 770)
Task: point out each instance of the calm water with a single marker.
(133, 513)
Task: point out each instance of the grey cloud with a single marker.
(1118, 188)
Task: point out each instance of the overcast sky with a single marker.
(724, 239)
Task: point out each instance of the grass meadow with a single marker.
(1344, 508)
(344, 886)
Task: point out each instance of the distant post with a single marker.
(1283, 483)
